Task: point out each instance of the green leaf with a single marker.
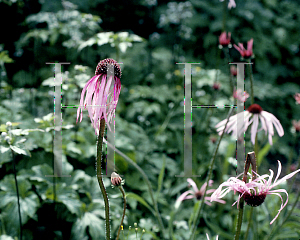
(161, 175)
(91, 223)
(9, 206)
(264, 151)
(18, 150)
(66, 195)
(217, 229)
(139, 199)
(3, 149)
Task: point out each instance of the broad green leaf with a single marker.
(139, 199)
(3, 149)
(18, 150)
(91, 223)
(66, 195)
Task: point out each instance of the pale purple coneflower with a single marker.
(101, 98)
(240, 96)
(254, 192)
(196, 193)
(254, 114)
(245, 53)
(231, 4)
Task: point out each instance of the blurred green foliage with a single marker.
(148, 37)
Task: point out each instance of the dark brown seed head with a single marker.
(254, 200)
(198, 195)
(254, 108)
(102, 68)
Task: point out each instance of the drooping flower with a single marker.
(224, 38)
(254, 192)
(297, 98)
(102, 93)
(231, 4)
(254, 114)
(196, 193)
(245, 53)
(240, 96)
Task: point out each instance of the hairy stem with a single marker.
(124, 210)
(99, 177)
(156, 213)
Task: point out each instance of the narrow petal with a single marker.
(182, 197)
(193, 184)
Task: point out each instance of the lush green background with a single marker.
(148, 37)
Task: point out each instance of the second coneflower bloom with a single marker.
(197, 193)
(253, 115)
(100, 95)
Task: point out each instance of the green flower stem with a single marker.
(227, 56)
(124, 210)
(18, 194)
(99, 177)
(251, 81)
(212, 161)
(240, 219)
(249, 223)
(250, 160)
(157, 214)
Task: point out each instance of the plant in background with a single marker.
(253, 114)
(245, 53)
(196, 193)
(231, 3)
(224, 39)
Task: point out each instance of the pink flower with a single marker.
(196, 193)
(115, 179)
(101, 99)
(233, 70)
(296, 125)
(231, 4)
(224, 39)
(216, 86)
(297, 98)
(245, 53)
(256, 112)
(254, 192)
(240, 96)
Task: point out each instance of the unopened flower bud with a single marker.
(8, 124)
(3, 134)
(115, 179)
